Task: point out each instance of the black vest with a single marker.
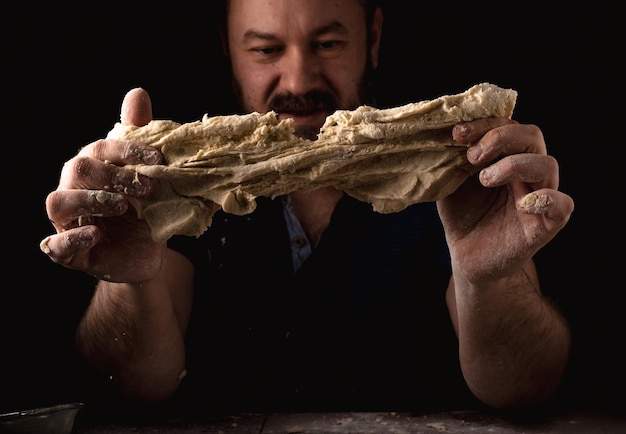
(362, 325)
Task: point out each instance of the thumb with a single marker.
(136, 108)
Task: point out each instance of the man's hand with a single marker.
(97, 231)
(496, 221)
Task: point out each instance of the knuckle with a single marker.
(85, 172)
(534, 131)
(52, 204)
(536, 137)
(52, 199)
(99, 149)
(82, 167)
(552, 163)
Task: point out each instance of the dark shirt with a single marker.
(361, 325)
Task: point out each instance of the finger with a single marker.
(136, 108)
(63, 248)
(72, 208)
(471, 132)
(506, 140)
(121, 152)
(91, 174)
(556, 206)
(538, 171)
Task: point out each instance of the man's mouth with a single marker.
(308, 111)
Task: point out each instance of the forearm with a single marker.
(131, 333)
(514, 345)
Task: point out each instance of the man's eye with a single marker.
(328, 45)
(266, 51)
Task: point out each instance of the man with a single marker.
(314, 299)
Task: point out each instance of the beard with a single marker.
(312, 101)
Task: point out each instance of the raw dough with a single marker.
(391, 158)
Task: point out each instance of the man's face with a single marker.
(303, 59)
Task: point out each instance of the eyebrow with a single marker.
(333, 27)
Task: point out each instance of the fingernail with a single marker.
(474, 152)
(486, 175)
(110, 199)
(43, 245)
(151, 157)
(461, 131)
(535, 203)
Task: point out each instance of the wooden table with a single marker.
(583, 422)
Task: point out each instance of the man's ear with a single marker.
(376, 30)
(224, 40)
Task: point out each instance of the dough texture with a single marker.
(391, 158)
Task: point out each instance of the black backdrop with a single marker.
(68, 67)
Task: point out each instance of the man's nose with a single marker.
(300, 71)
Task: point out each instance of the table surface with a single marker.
(584, 422)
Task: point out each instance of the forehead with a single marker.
(281, 18)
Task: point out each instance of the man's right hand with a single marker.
(98, 232)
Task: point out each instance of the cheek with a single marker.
(253, 85)
(256, 91)
(346, 78)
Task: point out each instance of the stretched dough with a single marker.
(391, 158)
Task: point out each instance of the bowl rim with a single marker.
(74, 406)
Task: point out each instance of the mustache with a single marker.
(309, 102)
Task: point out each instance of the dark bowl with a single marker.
(58, 419)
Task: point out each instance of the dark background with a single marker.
(66, 69)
